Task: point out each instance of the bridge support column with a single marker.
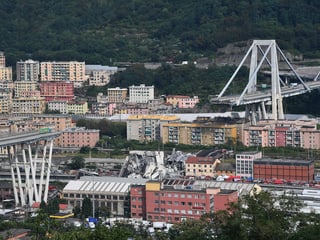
(35, 163)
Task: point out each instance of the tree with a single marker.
(86, 209)
(77, 162)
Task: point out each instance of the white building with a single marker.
(28, 70)
(109, 192)
(99, 75)
(244, 163)
(58, 105)
(141, 94)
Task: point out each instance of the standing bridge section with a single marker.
(264, 53)
(31, 153)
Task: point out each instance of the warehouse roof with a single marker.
(102, 184)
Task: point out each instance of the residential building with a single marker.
(5, 101)
(283, 169)
(57, 90)
(72, 71)
(80, 137)
(98, 75)
(179, 101)
(28, 70)
(21, 87)
(2, 59)
(206, 133)
(177, 203)
(60, 122)
(117, 95)
(146, 128)
(5, 73)
(141, 94)
(138, 201)
(77, 107)
(282, 133)
(107, 192)
(244, 163)
(58, 105)
(28, 105)
(201, 166)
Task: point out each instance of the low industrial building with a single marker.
(109, 192)
(284, 169)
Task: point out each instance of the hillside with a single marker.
(108, 31)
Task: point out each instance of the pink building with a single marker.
(182, 101)
(57, 90)
(79, 137)
(283, 133)
(177, 202)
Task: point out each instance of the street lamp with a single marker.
(93, 201)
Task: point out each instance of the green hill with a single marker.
(108, 31)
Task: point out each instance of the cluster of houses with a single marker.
(50, 86)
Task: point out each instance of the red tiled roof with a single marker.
(200, 160)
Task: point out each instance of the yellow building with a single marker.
(21, 87)
(28, 105)
(117, 95)
(146, 128)
(199, 133)
(77, 107)
(201, 166)
(6, 73)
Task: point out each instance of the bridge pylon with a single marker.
(261, 53)
(30, 157)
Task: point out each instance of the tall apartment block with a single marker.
(141, 94)
(2, 59)
(63, 71)
(28, 70)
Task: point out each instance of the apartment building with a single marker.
(201, 166)
(5, 73)
(28, 70)
(98, 75)
(176, 203)
(79, 137)
(179, 101)
(2, 59)
(146, 128)
(200, 133)
(282, 133)
(141, 94)
(5, 101)
(28, 105)
(117, 95)
(58, 106)
(72, 71)
(77, 107)
(244, 163)
(60, 123)
(57, 90)
(21, 87)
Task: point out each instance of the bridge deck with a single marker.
(263, 96)
(26, 137)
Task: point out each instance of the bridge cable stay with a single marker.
(255, 100)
